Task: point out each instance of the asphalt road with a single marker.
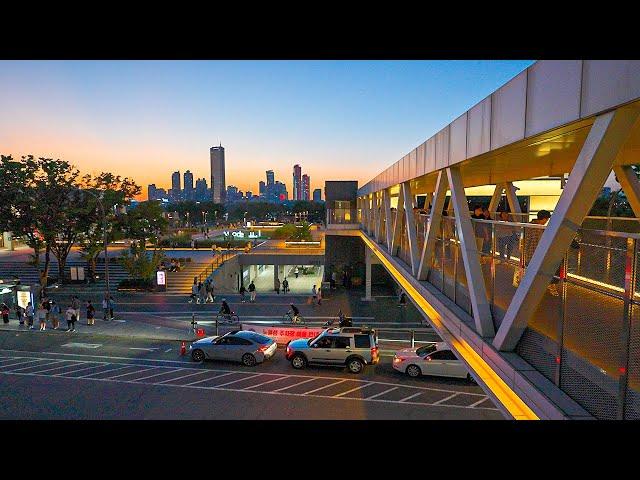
(57, 375)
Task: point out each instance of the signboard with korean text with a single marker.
(161, 278)
(283, 334)
(24, 297)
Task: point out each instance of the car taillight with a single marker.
(374, 351)
(264, 348)
(398, 360)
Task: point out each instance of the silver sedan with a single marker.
(246, 347)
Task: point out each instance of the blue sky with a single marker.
(145, 119)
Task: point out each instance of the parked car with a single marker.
(435, 359)
(243, 346)
(353, 347)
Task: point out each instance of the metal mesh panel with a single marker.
(506, 281)
(404, 253)
(435, 272)
(600, 258)
(507, 242)
(592, 350)
(462, 290)
(482, 232)
(632, 398)
(421, 227)
(530, 242)
(539, 351)
(449, 263)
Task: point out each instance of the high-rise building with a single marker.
(175, 181)
(188, 185)
(270, 177)
(151, 192)
(201, 190)
(218, 184)
(249, 194)
(317, 195)
(261, 189)
(306, 186)
(297, 182)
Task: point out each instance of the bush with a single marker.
(144, 284)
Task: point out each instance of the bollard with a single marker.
(413, 339)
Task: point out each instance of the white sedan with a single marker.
(435, 359)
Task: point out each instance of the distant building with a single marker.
(218, 184)
(317, 195)
(261, 189)
(175, 192)
(297, 182)
(201, 190)
(249, 195)
(151, 192)
(188, 185)
(306, 186)
(270, 177)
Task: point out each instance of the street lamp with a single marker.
(187, 219)
(245, 218)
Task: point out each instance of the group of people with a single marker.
(252, 292)
(202, 292)
(284, 285)
(48, 311)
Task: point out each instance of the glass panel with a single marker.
(600, 258)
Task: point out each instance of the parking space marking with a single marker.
(353, 390)
(207, 379)
(475, 400)
(445, 399)
(414, 396)
(326, 386)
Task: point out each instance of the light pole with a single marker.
(187, 219)
(204, 218)
(244, 219)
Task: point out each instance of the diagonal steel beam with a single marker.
(435, 220)
(595, 161)
(411, 227)
(495, 199)
(630, 186)
(397, 226)
(512, 199)
(470, 256)
(388, 227)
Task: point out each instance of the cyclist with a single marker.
(225, 310)
(296, 313)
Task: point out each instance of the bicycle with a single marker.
(294, 319)
(228, 318)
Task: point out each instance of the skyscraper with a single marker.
(270, 177)
(151, 192)
(261, 188)
(218, 184)
(306, 186)
(317, 195)
(188, 185)
(297, 182)
(175, 181)
(201, 190)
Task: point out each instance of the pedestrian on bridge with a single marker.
(242, 293)
(285, 286)
(277, 285)
(252, 292)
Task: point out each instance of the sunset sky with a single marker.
(340, 120)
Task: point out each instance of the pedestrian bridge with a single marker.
(546, 317)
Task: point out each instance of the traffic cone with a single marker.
(183, 348)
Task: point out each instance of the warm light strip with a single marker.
(516, 407)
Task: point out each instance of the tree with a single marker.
(138, 264)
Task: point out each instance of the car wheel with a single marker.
(197, 355)
(355, 365)
(470, 379)
(248, 360)
(298, 362)
(414, 371)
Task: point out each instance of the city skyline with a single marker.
(147, 119)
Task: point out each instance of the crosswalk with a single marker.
(252, 381)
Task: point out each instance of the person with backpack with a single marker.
(242, 293)
(91, 312)
(252, 292)
(55, 315)
(71, 319)
(75, 303)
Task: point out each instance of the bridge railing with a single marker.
(585, 333)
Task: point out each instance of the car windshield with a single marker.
(426, 350)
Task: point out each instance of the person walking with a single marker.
(314, 295)
(19, 314)
(112, 305)
(23, 314)
(55, 315)
(105, 308)
(334, 278)
(242, 293)
(209, 291)
(319, 295)
(91, 313)
(5, 313)
(193, 244)
(285, 286)
(202, 291)
(71, 317)
(252, 292)
(29, 314)
(41, 313)
(296, 271)
(213, 250)
(194, 292)
(75, 303)
(507, 238)
(277, 286)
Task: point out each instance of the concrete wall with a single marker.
(225, 278)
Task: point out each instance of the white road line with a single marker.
(240, 380)
(22, 361)
(264, 383)
(30, 366)
(146, 349)
(155, 375)
(179, 378)
(81, 370)
(326, 386)
(353, 390)
(478, 402)
(10, 359)
(206, 379)
(381, 393)
(167, 350)
(81, 345)
(445, 399)
(295, 384)
(62, 366)
(104, 371)
(130, 373)
(410, 397)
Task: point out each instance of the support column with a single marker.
(495, 199)
(367, 275)
(433, 226)
(594, 163)
(427, 201)
(512, 198)
(376, 217)
(388, 227)
(411, 226)
(630, 186)
(275, 276)
(397, 226)
(470, 256)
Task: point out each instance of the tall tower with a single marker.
(218, 184)
(188, 185)
(270, 177)
(175, 181)
(297, 182)
(306, 183)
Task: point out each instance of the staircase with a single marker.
(181, 282)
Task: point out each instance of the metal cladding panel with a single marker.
(458, 140)
(420, 160)
(479, 128)
(396, 172)
(553, 95)
(413, 161)
(508, 105)
(430, 155)
(607, 83)
(442, 148)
